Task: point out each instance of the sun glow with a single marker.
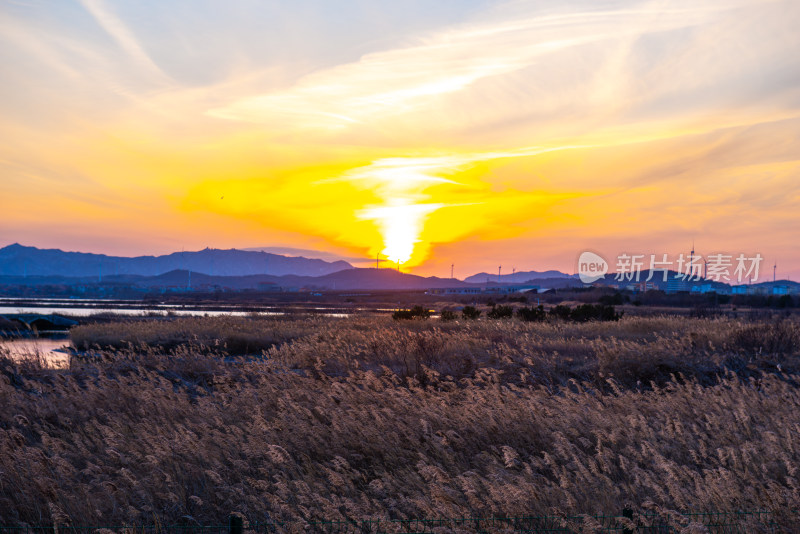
(400, 226)
(402, 184)
(413, 188)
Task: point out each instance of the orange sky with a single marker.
(475, 133)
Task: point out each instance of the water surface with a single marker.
(51, 353)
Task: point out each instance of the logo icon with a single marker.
(591, 267)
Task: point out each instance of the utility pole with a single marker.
(378, 260)
(499, 270)
(452, 266)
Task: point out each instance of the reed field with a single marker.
(358, 418)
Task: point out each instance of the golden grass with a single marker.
(369, 418)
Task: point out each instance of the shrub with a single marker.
(417, 312)
(780, 337)
(448, 315)
(500, 312)
(532, 314)
(561, 312)
(597, 312)
(586, 312)
(470, 312)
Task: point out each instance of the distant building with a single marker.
(677, 285)
(780, 290)
(642, 286)
(507, 289)
(455, 291)
(492, 290)
(703, 288)
(739, 290)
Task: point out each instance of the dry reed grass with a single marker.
(368, 418)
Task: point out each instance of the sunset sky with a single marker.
(432, 132)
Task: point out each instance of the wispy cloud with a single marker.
(122, 35)
(395, 82)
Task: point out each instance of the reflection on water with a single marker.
(138, 312)
(88, 307)
(48, 352)
(85, 312)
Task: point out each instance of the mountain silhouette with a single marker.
(19, 260)
(515, 278)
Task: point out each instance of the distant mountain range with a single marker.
(516, 278)
(209, 269)
(19, 260)
(233, 269)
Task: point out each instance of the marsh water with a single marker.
(53, 350)
(50, 353)
(89, 307)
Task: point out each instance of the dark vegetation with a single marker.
(417, 312)
(500, 311)
(448, 315)
(373, 418)
(470, 313)
(581, 313)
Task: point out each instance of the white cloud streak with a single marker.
(126, 40)
(395, 82)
